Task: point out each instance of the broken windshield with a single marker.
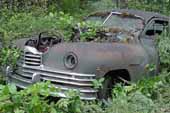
(127, 23)
(121, 21)
(96, 19)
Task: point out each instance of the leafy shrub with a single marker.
(164, 49)
(70, 5)
(21, 25)
(133, 103)
(34, 99)
(161, 6)
(9, 56)
(102, 5)
(28, 100)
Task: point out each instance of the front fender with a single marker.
(96, 58)
(20, 43)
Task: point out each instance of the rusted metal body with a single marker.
(75, 65)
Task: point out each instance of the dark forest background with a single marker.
(73, 5)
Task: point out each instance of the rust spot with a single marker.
(126, 14)
(103, 69)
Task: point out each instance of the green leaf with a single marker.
(19, 111)
(12, 88)
(53, 110)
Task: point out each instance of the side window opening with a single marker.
(153, 32)
(156, 28)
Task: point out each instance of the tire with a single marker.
(106, 90)
(121, 76)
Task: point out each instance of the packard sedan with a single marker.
(119, 53)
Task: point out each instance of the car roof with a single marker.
(144, 14)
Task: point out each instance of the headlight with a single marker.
(70, 60)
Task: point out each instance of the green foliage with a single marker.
(148, 86)
(102, 5)
(135, 102)
(70, 5)
(72, 104)
(28, 24)
(161, 6)
(164, 49)
(98, 83)
(9, 56)
(34, 99)
(29, 100)
(91, 29)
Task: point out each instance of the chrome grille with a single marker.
(31, 59)
(30, 65)
(62, 80)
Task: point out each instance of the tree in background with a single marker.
(75, 5)
(121, 3)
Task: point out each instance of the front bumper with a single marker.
(27, 75)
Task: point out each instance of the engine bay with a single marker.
(46, 40)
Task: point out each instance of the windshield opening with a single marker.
(127, 23)
(123, 21)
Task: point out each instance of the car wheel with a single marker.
(106, 90)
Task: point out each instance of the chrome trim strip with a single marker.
(21, 79)
(25, 75)
(32, 55)
(31, 59)
(41, 68)
(60, 94)
(33, 63)
(107, 18)
(67, 82)
(45, 74)
(81, 90)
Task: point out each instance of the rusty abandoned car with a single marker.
(120, 53)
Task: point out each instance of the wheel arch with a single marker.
(122, 73)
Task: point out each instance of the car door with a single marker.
(148, 40)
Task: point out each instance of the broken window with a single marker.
(126, 23)
(156, 27)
